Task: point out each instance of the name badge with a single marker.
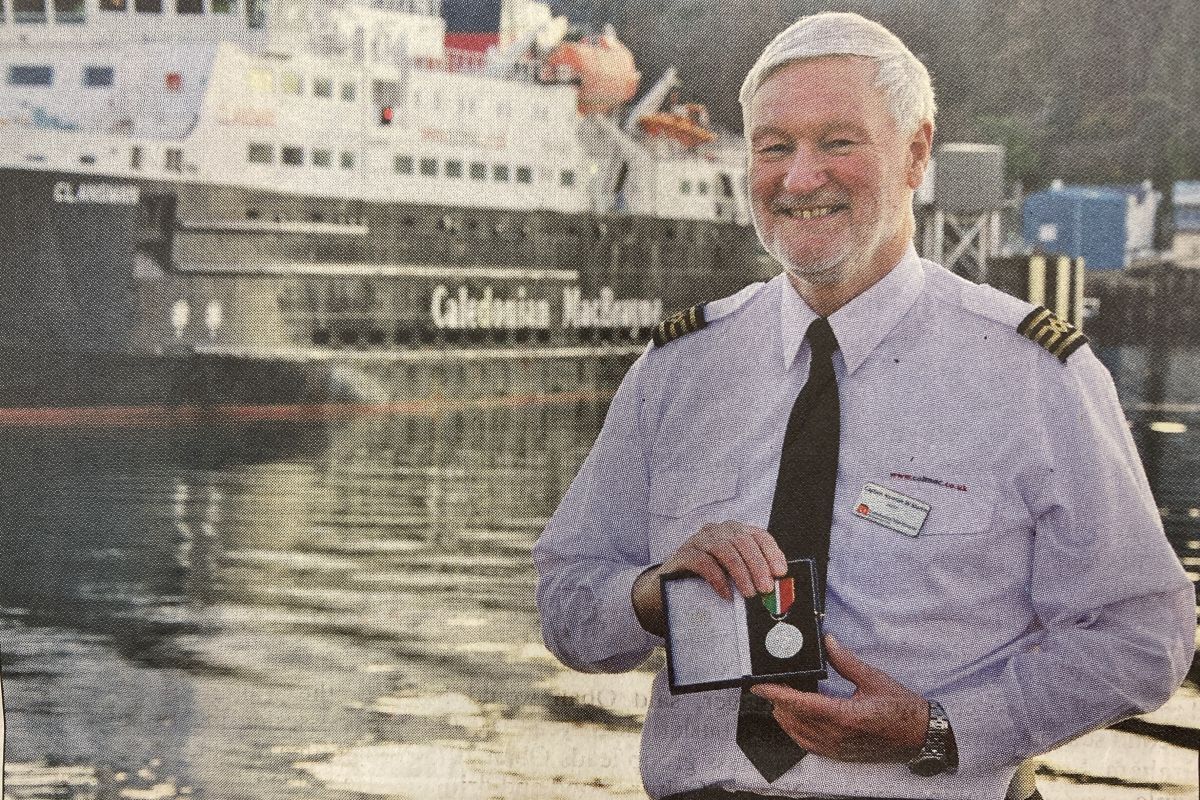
(892, 510)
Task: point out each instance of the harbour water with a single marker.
(345, 608)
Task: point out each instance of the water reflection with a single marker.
(280, 611)
(1160, 390)
(246, 610)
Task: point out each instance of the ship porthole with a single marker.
(213, 316)
(180, 312)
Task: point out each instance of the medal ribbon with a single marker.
(780, 600)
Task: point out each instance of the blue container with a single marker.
(1078, 221)
(1187, 205)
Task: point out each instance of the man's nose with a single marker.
(806, 172)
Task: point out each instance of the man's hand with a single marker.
(716, 552)
(882, 721)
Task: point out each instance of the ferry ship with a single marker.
(259, 201)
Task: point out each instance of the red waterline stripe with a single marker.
(163, 415)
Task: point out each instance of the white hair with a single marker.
(902, 77)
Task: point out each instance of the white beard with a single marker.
(830, 270)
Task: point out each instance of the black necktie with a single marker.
(801, 515)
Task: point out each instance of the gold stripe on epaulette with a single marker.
(1055, 334)
(679, 323)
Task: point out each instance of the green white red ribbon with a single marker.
(780, 599)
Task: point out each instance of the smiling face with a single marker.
(831, 175)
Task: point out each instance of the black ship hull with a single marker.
(118, 292)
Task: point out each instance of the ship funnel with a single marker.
(471, 24)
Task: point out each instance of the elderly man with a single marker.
(1035, 597)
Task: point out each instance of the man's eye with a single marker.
(839, 144)
(775, 148)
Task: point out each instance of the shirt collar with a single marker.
(861, 324)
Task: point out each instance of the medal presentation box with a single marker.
(713, 643)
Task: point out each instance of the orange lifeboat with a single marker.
(603, 68)
(686, 123)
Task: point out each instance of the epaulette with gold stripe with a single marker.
(702, 315)
(1052, 332)
(679, 323)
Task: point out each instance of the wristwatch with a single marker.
(939, 753)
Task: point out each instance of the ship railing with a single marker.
(470, 62)
(453, 60)
(425, 7)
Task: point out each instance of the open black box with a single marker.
(713, 643)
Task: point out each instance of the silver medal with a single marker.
(784, 640)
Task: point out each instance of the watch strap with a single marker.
(939, 753)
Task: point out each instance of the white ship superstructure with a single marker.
(337, 100)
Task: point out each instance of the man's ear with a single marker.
(920, 148)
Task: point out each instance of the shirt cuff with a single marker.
(622, 632)
(985, 733)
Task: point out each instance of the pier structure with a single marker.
(1055, 281)
(959, 207)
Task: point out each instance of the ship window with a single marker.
(685, 186)
(221, 6)
(500, 172)
(524, 175)
(289, 82)
(567, 178)
(322, 86)
(30, 74)
(259, 153)
(260, 80)
(322, 158)
(97, 76)
(68, 12)
(135, 157)
(347, 159)
(454, 169)
(189, 7)
(292, 156)
(29, 11)
(148, 6)
(403, 165)
(349, 92)
(429, 167)
(702, 188)
(113, 5)
(479, 172)
(173, 160)
(726, 184)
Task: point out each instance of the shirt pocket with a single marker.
(952, 511)
(682, 500)
(962, 553)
